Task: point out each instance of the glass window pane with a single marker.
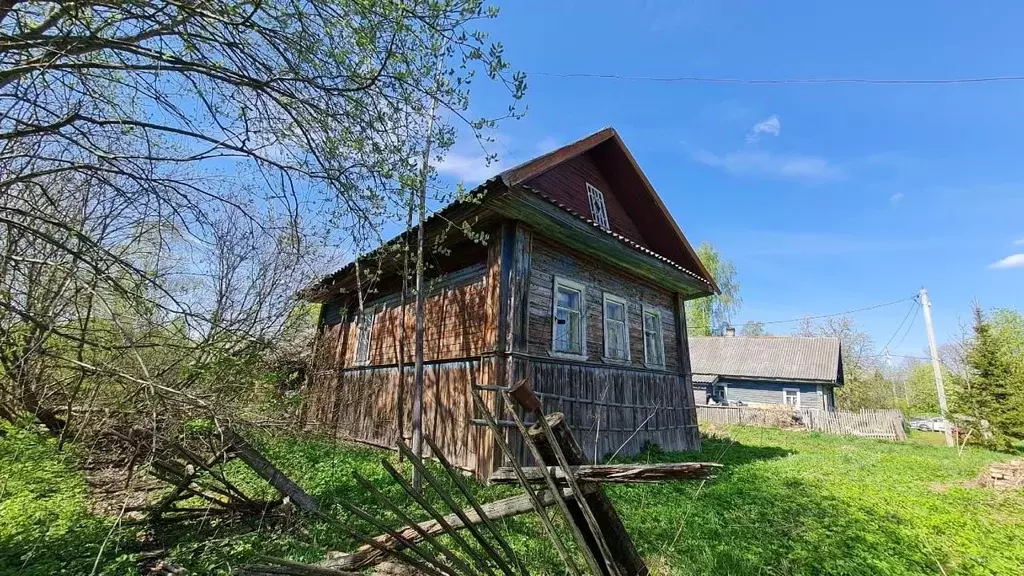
(615, 311)
(568, 298)
(567, 332)
(653, 339)
(575, 344)
(616, 339)
(561, 337)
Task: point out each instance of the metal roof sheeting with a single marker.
(768, 358)
(705, 378)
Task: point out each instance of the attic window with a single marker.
(597, 209)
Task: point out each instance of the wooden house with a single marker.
(579, 285)
(785, 371)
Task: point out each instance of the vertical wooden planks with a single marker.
(884, 424)
(632, 406)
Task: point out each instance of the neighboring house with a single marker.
(766, 371)
(579, 285)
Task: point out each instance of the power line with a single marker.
(770, 81)
(844, 313)
(820, 316)
(913, 306)
(917, 309)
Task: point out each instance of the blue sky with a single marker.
(826, 197)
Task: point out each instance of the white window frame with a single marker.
(652, 310)
(572, 285)
(370, 312)
(598, 207)
(608, 297)
(785, 391)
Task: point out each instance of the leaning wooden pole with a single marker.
(551, 435)
(613, 532)
(612, 473)
(263, 467)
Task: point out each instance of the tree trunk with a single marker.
(417, 396)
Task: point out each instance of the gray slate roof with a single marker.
(705, 378)
(767, 358)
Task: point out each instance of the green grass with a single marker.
(787, 503)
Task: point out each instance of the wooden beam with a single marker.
(617, 473)
(624, 555)
(261, 466)
(518, 293)
(367, 556)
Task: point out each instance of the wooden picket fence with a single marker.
(883, 424)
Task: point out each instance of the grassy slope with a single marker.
(788, 503)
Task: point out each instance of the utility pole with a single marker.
(935, 365)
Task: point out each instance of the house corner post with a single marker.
(508, 278)
(686, 373)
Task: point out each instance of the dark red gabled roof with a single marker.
(635, 200)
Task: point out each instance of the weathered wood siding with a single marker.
(770, 393)
(362, 404)
(493, 327)
(610, 406)
(550, 260)
(567, 183)
(615, 410)
(362, 401)
(454, 326)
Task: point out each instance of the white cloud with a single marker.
(897, 198)
(1014, 261)
(1019, 242)
(785, 166)
(770, 126)
(468, 169)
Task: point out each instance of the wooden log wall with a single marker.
(613, 409)
(550, 260)
(362, 406)
(361, 402)
(492, 328)
(454, 326)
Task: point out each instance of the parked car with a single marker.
(936, 424)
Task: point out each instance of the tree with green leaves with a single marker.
(753, 329)
(992, 395)
(710, 314)
(169, 173)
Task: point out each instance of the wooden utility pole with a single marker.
(936, 367)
